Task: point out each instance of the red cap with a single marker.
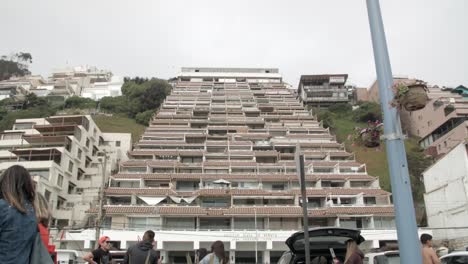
(103, 239)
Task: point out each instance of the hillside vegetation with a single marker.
(342, 121)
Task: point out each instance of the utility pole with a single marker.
(410, 249)
(301, 174)
(100, 217)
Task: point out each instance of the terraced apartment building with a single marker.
(217, 163)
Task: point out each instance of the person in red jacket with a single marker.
(43, 218)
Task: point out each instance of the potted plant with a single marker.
(369, 136)
(412, 96)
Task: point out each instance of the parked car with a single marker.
(320, 241)
(386, 257)
(460, 257)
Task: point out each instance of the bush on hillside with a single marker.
(80, 103)
(326, 117)
(342, 108)
(367, 111)
(144, 117)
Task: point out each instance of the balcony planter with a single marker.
(411, 96)
(370, 136)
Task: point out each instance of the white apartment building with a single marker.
(89, 82)
(446, 194)
(217, 163)
(84, 81)
(65, 156)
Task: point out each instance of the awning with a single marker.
(190, 199)
(222, 181)
(152, 200)
(175, 199)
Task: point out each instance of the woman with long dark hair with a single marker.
(217, 255)
(18, 225)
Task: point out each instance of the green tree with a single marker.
(118, 104)
(367, 111)
(80, 103)
(16, 65)
(327, 118)
(144, 117)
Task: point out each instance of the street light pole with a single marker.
(256, 237)
(100, 216)
(410, 250)
(301, 174)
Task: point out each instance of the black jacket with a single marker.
(138, 253)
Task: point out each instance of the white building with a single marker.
(64, 154)
(446, 196)
(84, 81)
(217, 163)
(89, 82)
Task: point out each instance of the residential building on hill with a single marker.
(323, 90)
(84, 81)
(65, 156)
(217, 163)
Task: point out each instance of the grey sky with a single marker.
(427, 39)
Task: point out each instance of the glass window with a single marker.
(79, 153)
(70, 166)
(47, 195)
(60, 180)
(117, 143)
(22, 126)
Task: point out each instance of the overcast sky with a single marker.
(427, 39)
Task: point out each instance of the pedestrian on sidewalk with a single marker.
(428, 253)
(18, 225)
(143, 252)
(101, 255)
(217, 255)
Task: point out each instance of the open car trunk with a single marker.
(320, 241)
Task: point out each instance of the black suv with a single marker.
(320, 241)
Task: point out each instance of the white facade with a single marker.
(446, 196)
(62, 155)
(98, 90)
(83, 81)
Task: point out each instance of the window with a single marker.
(117, 143)
(420, 117)
(80, 152)
(60, 202)
(70, 166)
(87, 142)
(21, 126)
(370, 200)
(60, 180)
(47, 195)
(71, 188)
(144, 222)
(445, 144)
(429, 123)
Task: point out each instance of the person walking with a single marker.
(217, 255)
(101, 255)
(143, 252)
(43, 218)
(353, 254)
(428, 253)
(18, 225)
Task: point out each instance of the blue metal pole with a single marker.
(410, 249)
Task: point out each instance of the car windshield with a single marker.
(387, 259)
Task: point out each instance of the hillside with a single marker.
(343, 121)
